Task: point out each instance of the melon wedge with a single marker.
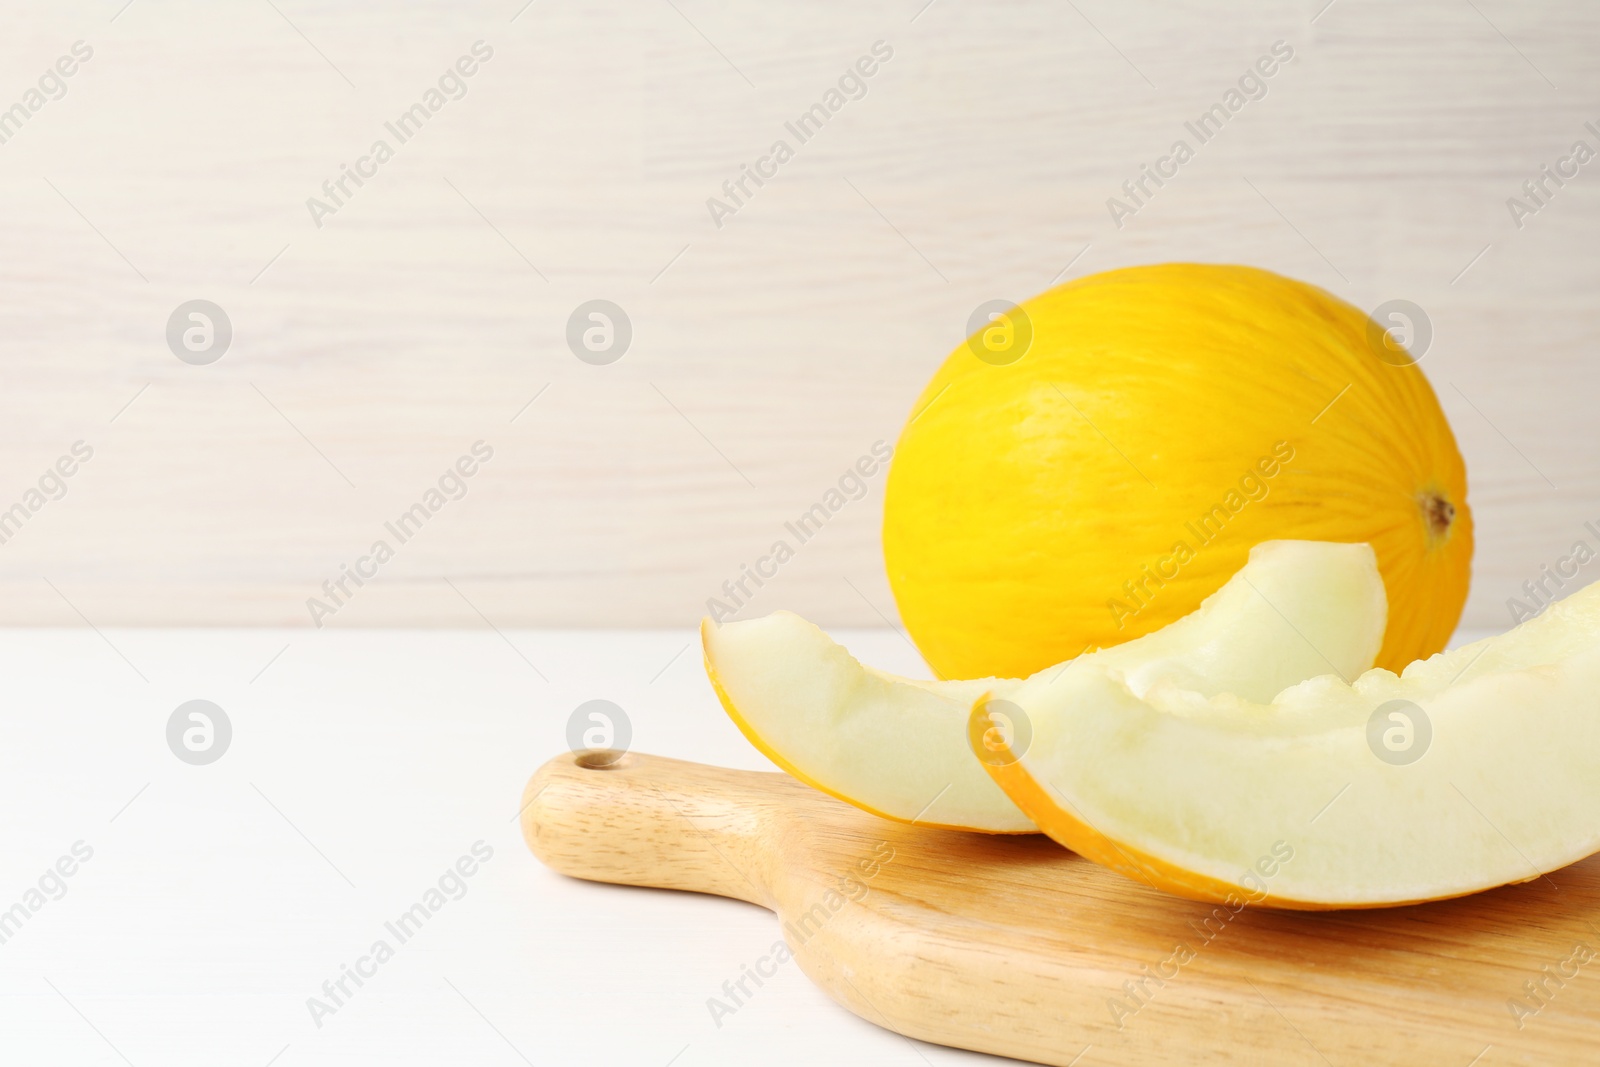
(1473, 769)
(900, 747)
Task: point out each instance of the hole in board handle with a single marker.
(600, 759)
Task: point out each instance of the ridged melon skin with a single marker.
(1163, 420)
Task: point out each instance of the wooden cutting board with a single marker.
(1015, 946)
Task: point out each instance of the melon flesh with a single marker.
(1299, 803)
(900, 747)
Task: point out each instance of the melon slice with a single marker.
(903, 748)
(1474, 768)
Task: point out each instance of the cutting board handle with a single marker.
(652, 821)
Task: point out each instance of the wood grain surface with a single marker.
(769, 352)
(1015, 946)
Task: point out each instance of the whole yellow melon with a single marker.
(1088, 468)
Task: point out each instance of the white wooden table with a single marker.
(362, 766)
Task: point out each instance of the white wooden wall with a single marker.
(767, 354)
